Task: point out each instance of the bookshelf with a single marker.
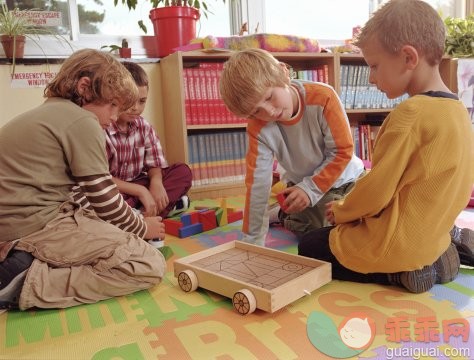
(369, 106)
(180, 132)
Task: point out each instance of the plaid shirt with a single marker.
(131, 154)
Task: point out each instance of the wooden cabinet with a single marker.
(177, 129)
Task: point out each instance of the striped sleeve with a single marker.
(78, 197)
(103, 196)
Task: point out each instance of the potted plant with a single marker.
(12, 32)
(15, 28)
(460, 36)
(124, 51)
(174, 21)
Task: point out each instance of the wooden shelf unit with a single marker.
(448, 68)
(177, 131)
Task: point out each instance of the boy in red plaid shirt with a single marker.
(137, 162)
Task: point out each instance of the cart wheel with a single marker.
(244, 302)
(187, 280)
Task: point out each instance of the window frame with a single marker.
(240, 12)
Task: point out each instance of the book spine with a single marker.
(187, 97)
(202, 159)
(203, 91)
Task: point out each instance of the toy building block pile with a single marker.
(202, 219)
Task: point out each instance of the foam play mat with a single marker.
(338, 320)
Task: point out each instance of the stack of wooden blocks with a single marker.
(201, 219)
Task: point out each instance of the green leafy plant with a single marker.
(116, 47)
(198, 4)
(15, 23)
(460, 36)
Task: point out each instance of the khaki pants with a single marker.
(314, 217)
(82, 259)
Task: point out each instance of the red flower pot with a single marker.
(174, 26)
(125, 52)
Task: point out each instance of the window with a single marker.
(334, 20)
(313, 19)
(95, 23)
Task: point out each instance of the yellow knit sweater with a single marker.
(398, 216)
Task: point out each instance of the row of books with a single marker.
(320, 73)
(202, 101)
(363, 136)
(358, 93)
(217, 157)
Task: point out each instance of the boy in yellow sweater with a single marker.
(394, 226)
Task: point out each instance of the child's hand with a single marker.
(329, 213)
(160, 196)
(155, 228)
(148, 202)
(296, 200)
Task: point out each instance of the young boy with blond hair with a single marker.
(137, 162)
(300, 124)
(54, 253)
(394, 226)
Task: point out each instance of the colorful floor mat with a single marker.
(339, 320)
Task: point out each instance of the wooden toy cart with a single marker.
(252, 276)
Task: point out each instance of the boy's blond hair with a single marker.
(246, 77)
(110, 80)
(406, 22)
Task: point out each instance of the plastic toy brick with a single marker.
(189, 230)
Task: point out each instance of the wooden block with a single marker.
(202, 207)
(224, 212)
(235, 216)
(194, 217)
(189, 230)
(208, 219)
(281, 199)
(278, 187)
(186, 219)
(190, 218)
(218, 212)
(172, 226)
